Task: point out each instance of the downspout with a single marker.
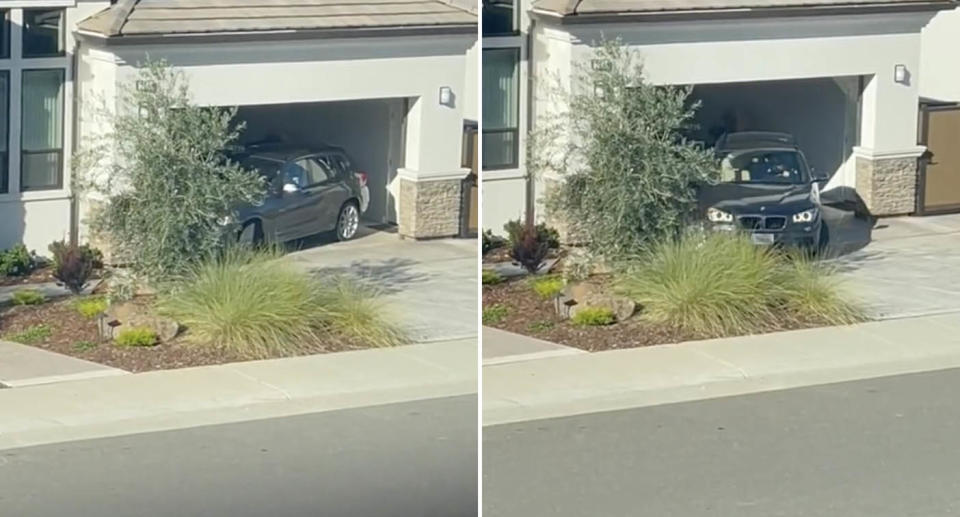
(531, 187)
(74, 147)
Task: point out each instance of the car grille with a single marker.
(763, 222)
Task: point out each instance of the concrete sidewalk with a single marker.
(588, 383)
(173, 399)
(22, 365)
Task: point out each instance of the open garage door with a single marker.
(371, 132)
(823, 115)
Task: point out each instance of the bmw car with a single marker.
(766, 190)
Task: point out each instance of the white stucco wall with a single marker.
(471, 95)
(37, 218)
(940, 77)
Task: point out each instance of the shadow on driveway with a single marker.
(388, 276)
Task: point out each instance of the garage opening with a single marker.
(823, 114)
(371, 131)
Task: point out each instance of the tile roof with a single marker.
(173, 17)
(566, 8)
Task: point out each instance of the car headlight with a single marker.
(226, 220)
(719, 216)
(807, 216)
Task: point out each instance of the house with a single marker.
(389, 82)
(845, 77)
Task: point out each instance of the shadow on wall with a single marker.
(13, 227)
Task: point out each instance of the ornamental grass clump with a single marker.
(256, 304)
(719, 284)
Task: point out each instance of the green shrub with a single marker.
(137, 336)
(515, 230)
(28, 297)
(257, 304)
(17, 261)
(720, 284)
(91, 307)
(494, 314)
(73, 265)
(548, 287)
(491, 242)
(629, 174)
(593, 317)
(180, 189)
(31, 335)
(84, 346)
(540, 326)
(491, 277)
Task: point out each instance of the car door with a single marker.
(332, 190)
(298, 204)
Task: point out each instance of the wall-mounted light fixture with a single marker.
(900, 74)
(446, 95)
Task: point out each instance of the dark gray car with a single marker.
(310, 191)
(767, 190)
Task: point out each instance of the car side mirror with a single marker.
(290, 188)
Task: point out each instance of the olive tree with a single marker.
(158, 166)
(626, 173)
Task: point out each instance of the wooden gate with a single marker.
(470, 207)
(939, 189)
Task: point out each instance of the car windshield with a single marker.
(776, 167)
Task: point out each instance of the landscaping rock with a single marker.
(130, 315)
(580, 295)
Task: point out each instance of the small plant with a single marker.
(31, 335)
(578, 266)
(491, 242)
(491, 277)
(494, 314)
(137, 336)
(84, 346)
(530, 249)
(28, 297)
(17, 261)
(593, 317)
(73, 265)
(548, 287)
(91, 307)
(515, 230)
(540, 326)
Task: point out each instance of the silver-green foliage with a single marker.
(159, 162)
(619, 147)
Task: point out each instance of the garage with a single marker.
(370, 131)
(384, 81)
(822, 113)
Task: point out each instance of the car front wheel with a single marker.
(251, 234)
(348, 222)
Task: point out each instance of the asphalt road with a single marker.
(403, 460)
(872, 448)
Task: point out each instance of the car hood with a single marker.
(740, 198)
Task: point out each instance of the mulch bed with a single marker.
(38, 276)
(530, 315)
(68, 328)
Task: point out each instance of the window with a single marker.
(43, 33)
(322, 170)
(4, 132)
(296, 173)
(501, 107)
(499, 18)
(4, 33)
(41, 133)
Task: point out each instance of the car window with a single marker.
(777, 167)
(297, 173)
(342, 162)
(323, 169)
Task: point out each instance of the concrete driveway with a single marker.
(910, 267)
(430, 286)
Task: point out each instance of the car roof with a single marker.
(284, 152)
(748, 140)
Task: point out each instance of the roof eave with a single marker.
(279, 35)
(761, 12)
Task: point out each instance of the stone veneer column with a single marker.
(887, 184)
(430, 207)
